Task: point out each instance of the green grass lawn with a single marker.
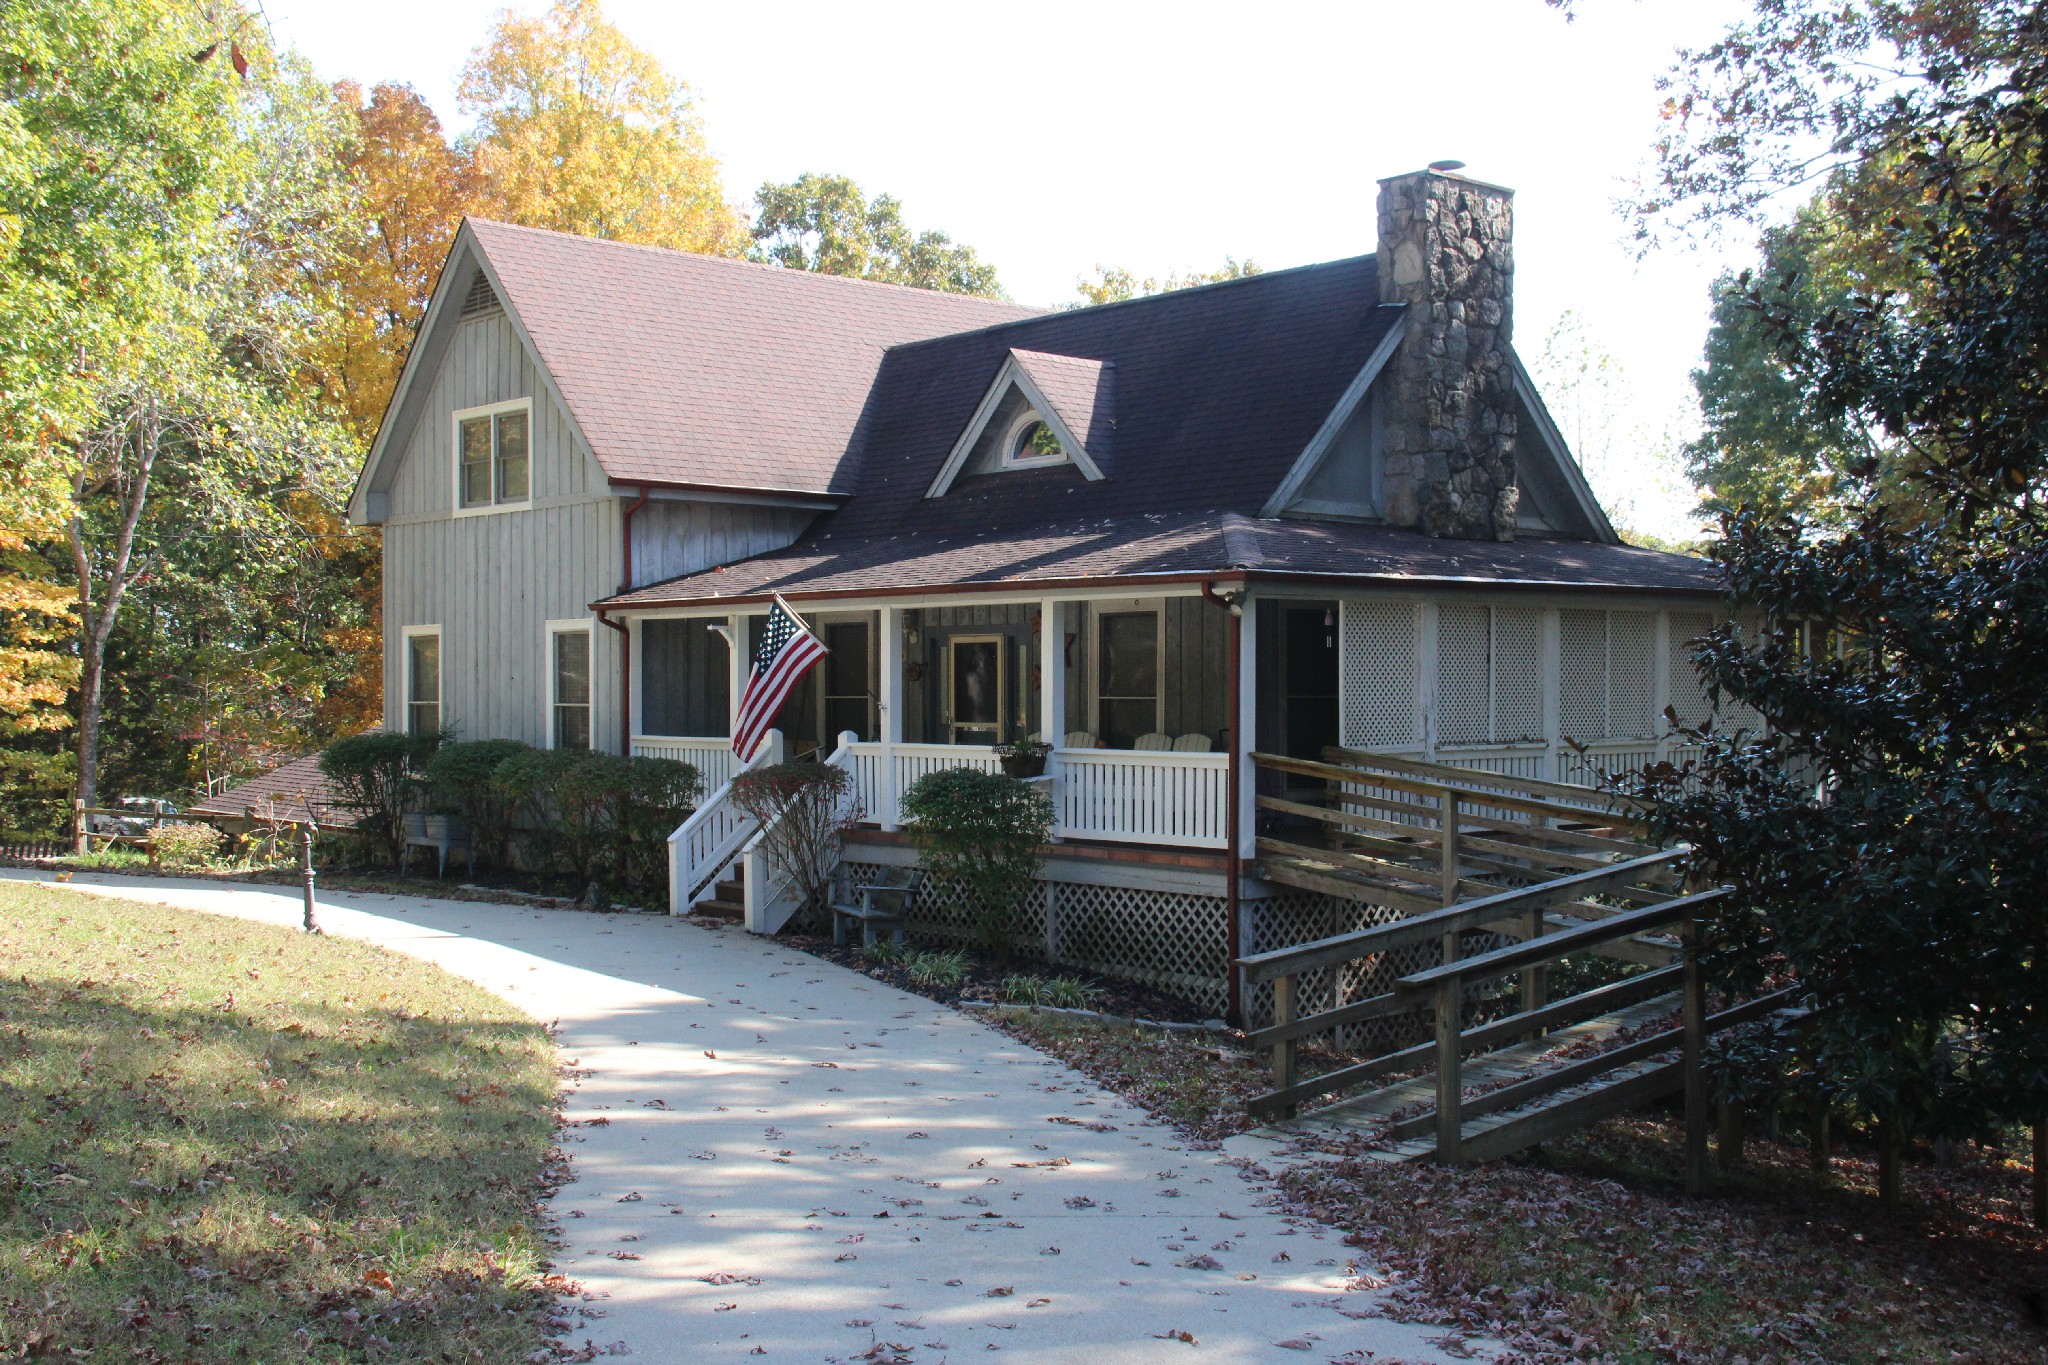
(225, 1141)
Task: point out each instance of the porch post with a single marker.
(1052, 694)
(1244, 730)
(738, 661)
(636, 691)
(889, 708)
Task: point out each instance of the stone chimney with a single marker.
(1446, 251)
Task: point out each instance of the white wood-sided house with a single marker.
(1315, 507)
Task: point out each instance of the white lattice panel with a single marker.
(1464, 651)
(1688, 693)
(1582, 675)
(1517, 674)
(1378, 675)
(1172, 941)
(1631, 675)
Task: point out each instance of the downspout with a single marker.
(626, 635)
(1233, 927)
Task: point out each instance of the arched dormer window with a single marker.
(1031, 442)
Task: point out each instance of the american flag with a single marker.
(787, 652)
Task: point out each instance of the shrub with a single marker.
(984, 831)
(565, 801)
(188, 846)
(375, 777)
(879, 950)
(804, 807)
(658, 795)
(936, 969)
(600, 814)
(462, 780)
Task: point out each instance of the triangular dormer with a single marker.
(1042, 411)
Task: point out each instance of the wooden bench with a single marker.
(882, 904)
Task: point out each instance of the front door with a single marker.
(974, 689)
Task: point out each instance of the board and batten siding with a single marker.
(671, 539)
(493, 581)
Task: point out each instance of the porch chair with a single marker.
(1154, 743)
(882, 904)
(1079, 739)
(1192, 744)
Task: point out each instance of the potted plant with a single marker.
(1024, 757)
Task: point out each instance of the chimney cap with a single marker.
(1447, 164)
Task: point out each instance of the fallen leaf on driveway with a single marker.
(632, 1198)
(1201, 1262)
(1000, 1292)
(1294, 1344)
(1176, 1335)
(720, 1277)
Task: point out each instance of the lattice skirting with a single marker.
(1171, 941)
(1178, 943)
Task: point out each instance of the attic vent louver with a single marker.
(480, 298)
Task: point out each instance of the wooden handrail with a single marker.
(1327, 952)
(1331, 772)
(1537, 952)
(1527, 786)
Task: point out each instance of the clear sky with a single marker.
(1057, 136)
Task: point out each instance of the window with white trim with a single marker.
(422, 680)
(1031, 442)
(494, 456)
(569, 685)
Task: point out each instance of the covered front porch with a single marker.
(1140, 712)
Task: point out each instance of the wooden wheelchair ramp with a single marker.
(1548, 873)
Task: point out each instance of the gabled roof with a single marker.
(284, 793)
(1073, 395)
(686, 370)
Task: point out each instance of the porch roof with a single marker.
(1115, 550)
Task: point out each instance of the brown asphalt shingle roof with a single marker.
(687, 369)
(1186, 544)
(291, 787)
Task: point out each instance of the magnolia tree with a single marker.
(1889, 832)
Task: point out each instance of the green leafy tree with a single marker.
(208, 430)
(984, 832)
(1115, 283)
(1889, 831)
(579, 130)
(825, 223)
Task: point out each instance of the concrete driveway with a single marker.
(775, 1157)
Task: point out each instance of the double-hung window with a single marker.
(422, 680)
(569, 684)
(493, 447)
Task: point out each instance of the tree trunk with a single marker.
(1888, 1163)
(2040, 1181)
(121, 570)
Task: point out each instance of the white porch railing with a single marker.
(1143, 797)
(1125, 795)
(716, 833)
(771, 892)
(711, 756)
